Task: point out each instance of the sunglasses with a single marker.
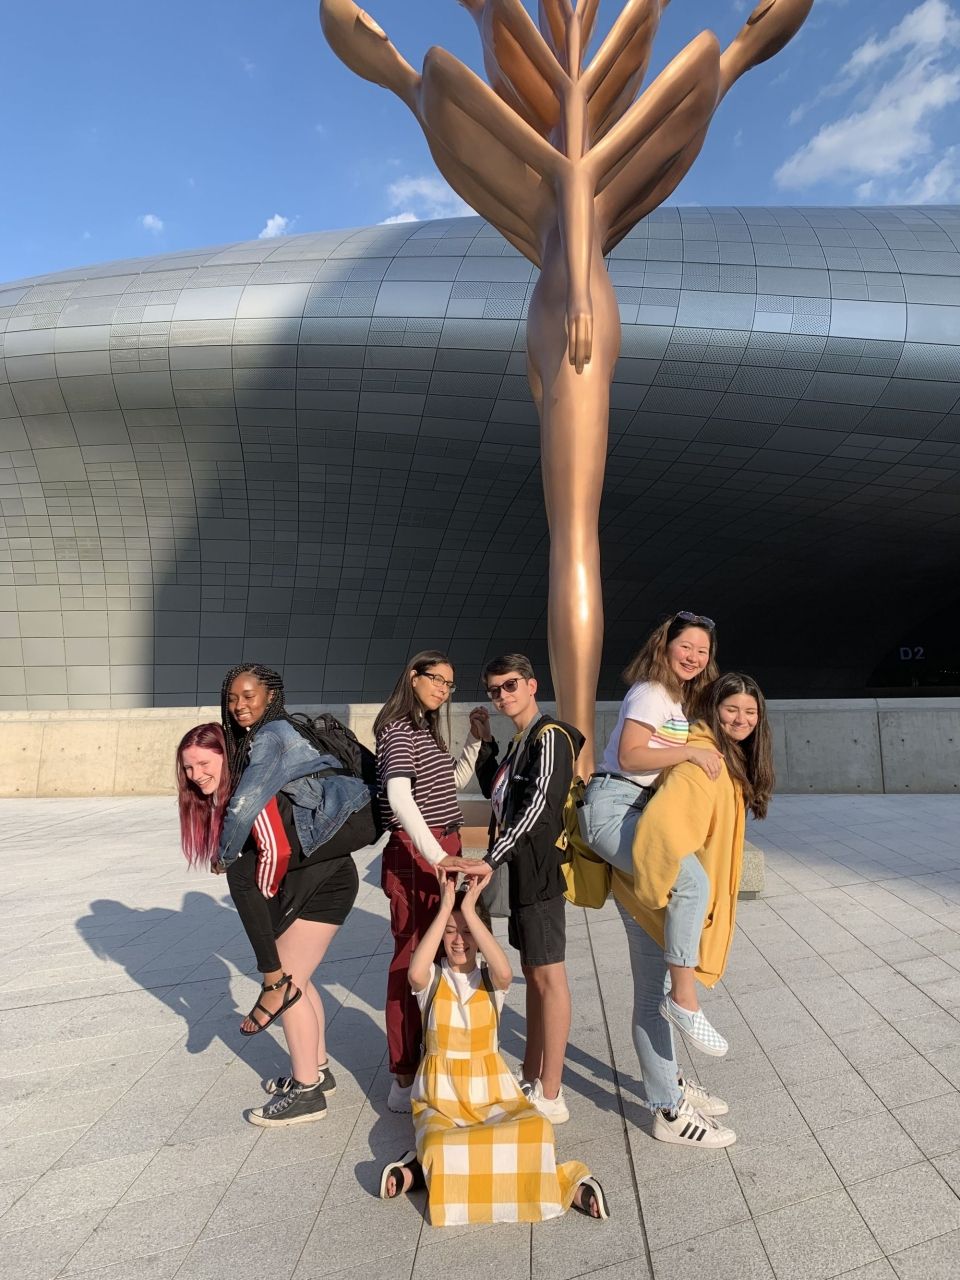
(697, 619)
(495, 691)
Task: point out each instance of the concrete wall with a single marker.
(868, 745)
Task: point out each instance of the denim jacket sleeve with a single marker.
(278, 756)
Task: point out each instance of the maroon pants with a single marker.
(413, 889)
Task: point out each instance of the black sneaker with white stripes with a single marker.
(691, 1128)
(299, 1105)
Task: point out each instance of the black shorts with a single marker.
(539, 932)
(322, 892)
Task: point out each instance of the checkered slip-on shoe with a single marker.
(695, 1026)
(701, 1100)
(691, 1128)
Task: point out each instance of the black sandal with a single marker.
(288, 1001)
(592, 1196)
(395, 1171)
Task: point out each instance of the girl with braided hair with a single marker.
(293, 808)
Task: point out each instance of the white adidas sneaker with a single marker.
(697, 1028)
(698, 1097)
(691, 1128)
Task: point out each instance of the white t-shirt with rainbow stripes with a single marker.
(652, 705)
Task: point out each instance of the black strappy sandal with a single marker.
(592, 1196)
(288, 1001)
(395, 1171)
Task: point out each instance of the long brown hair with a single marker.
(749, 763)
(403, 703)
(201, 817)
(653, 665)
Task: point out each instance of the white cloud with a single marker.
(150, 222)
(419, 198)
(274, 227)
(898, 85)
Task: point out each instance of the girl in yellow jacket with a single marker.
(693, 813)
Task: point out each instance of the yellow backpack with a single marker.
(587, 877)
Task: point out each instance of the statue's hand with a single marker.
(580, 333)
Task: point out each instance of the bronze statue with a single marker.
(564, 159)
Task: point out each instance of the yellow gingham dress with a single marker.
(487, 1154)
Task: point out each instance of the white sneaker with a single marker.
(399, 1098)
(701, 1100)
(691, 1128)
(695, 1026)
(555, 1109)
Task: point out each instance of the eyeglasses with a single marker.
(495, 691)
(697, 619)
(439, 681)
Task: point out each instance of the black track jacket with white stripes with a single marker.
(526, 839)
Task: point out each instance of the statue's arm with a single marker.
(693, 74)
(616, 70)
(771, 26)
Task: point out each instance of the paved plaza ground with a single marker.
(124, 1154)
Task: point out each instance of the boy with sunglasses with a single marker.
(527, 790)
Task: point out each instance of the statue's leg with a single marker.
(574, 412)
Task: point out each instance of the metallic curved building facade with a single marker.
(320, 452)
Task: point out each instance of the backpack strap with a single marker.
(492, 993)
(431, 996)
(554, 724)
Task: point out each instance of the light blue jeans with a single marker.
(608, 818)
(652, 1034)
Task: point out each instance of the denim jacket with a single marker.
(282, 760)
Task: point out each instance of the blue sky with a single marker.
(136, 128)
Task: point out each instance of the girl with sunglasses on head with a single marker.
(666, 677)
(692, 811)
(418, 781)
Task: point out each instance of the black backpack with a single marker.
(335, 739)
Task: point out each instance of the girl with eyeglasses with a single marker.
(418, 782)
(666, 679)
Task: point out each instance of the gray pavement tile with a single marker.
(700, 1201)
(343, 1236)
(879, 1270)
(29, 1254)
(798, 1064)
(733, 1253)
(949, 1169)
(503, 1251)
(61, 1108)
(147, 1227)
(575, 1245)
(908, 1206)
(934, 1125)
(905, 1080)
(778, 1174)
(870, 1045)
(933, 1031)
(21, 1157)
(848, 1097)
(933, 1260)
(11, 1191)
(158, 1266)
(947, 1062)
(245, 1204)
(61, 1193)
(267, 1249)
(817, 1238)
(396, 1266)
(864, 1149)
(178, 1166)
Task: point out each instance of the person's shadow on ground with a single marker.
(187, 959)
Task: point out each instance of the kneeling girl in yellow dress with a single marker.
(484, 1153)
